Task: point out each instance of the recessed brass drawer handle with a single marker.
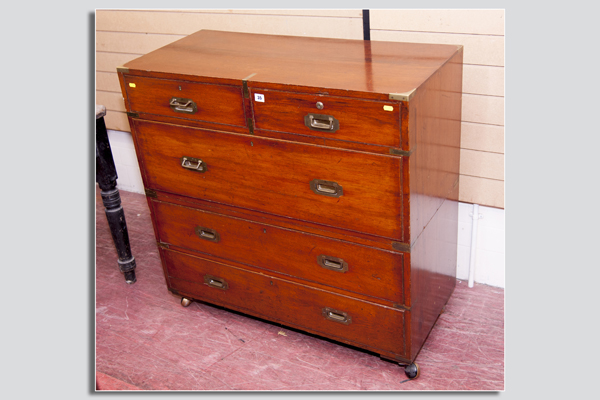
(186, 106)
(215, 282)
(332, 263)
(326, 188)
(320, 122)
(195, 164)
(207, 234)
(337, 316)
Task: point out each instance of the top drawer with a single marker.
(180, 99)
(363, 121)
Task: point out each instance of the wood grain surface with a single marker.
(215, 103)
(274, 177)
(359, 120)
(345, 66)
(372, 326)
(369, 271)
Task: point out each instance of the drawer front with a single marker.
(203, 102)
(339, 317)
(343, 265)
(364, 121)
(349, 190)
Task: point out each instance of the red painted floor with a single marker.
(145, 340)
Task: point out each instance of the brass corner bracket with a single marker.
(406, 96)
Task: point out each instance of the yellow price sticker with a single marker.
(132, 85)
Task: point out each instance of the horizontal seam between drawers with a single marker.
(183, 119)
(327, 138)
(180, 80)
(266, 137)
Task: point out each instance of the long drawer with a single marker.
(350, 190)
(335, 263)
(343, 318)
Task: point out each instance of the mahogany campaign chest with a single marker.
(307, 181)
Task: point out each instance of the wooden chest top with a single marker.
(373, 69)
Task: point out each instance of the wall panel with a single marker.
(184, 23)
(483, 79)
(108, 62)
(111, 100)
(485, 22)
(479, 49)
(118, 121)
(481, 191)
(132, 43)
(482, 137)
(482, 164)
(483, 109)
(306, 13)
(107, 82)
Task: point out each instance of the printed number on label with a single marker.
(259, 97)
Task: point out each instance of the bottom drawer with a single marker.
(360, 323)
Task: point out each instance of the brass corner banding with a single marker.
(406, 96)
(245, 85)
(404, 247)
(398, 152)
(123, 69)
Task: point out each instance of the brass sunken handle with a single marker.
(207, 234)
(194, 164)
(332, 263)
(321, 122)
(326, 188)
(186, 106)
(215, 282)
(336, 316)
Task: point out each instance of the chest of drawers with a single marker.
(310, 182)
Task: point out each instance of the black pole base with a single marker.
(130, 277)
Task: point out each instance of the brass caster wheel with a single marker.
(412, 371)
(185, 301)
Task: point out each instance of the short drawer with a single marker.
(180, 99)
(339, 317)
(335, 263)
(364, 121)
(344, 189)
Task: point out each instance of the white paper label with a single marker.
(259, 97)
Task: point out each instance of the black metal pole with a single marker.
(366, 25)
(106, 176)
